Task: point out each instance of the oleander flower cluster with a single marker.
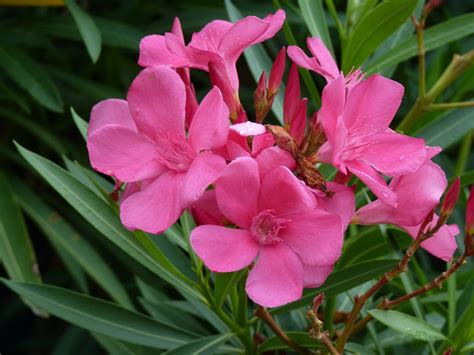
(253, 187)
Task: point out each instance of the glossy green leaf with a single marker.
(258, 61)
(16, 251)
(89, 31)
(302, 338)
(356, 9)
(81, 124)
(448, 128)
(31, 77)
(408, 325)
(165, 311)
(341, 281)
(56, 228)
(223, 284)
(117, 347)
(201, 346)
(105, 219)
(377, 25)
(435, 37)
(101, 316)
(314, 16)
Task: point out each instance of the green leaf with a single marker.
(58, 230)
(356, 9)
(167, 312)
(223, 284)
(88, 29)
(101, 316)
(409, 325)
(434, 37)
(314, 16)
(301, 338)
(81, 124)
(30, 76)
(369, 244)
(16, 251)
(377, 25)
(104, 218)
(258, 61)
(42, 133)
(341, 281)
(201, 346)
(449, 128)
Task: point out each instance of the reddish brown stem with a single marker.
(262, 313)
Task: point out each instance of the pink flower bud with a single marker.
(292, 95)
(451, 198)
(260, 98)
(276, 73)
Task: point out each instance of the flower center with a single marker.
(174, 152)
(266, 226)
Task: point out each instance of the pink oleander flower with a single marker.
(418, 194)
(356, 124)
(322, 63)
(280, 227)
(143, 141)
(220, 42)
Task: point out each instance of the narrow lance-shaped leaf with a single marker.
(101, 316)
(31, 77)
(202, 346)
(434, 37)
(314, 16)
(81, 124)
(409, 325)
(341, 281)
(89, 31)
(377, 25)
(16, 251)
(104, 219)
(58, 230)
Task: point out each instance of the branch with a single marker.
(267, 318)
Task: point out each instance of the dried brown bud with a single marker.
(284, 140)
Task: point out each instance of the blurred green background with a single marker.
(45, 69)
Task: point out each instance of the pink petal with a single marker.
(315, 276)
(373, 180)
(206, 210)
(298, 122)
(248, 128)
(190, 56)
(224, 249)
(316, 236)
(111, 111)
(204, 170)
(157, 101)
(394, 154)
(210, 36)
(442, 244)
(275, 22)
(155, 208)
(262, 141)
(418, 193)
(282, 192)
(372, 104)
(299, 57)
(273, 157)
(153, 52)
(327, 63)
(276, 278)
(121, 152)
(342, 203)
(241, 35)
(210, 125)
(237, 191)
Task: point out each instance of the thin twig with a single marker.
(262, 313)
(450, 105)
(328, 343)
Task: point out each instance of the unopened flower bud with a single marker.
(316, 324)
(276, 73)
(450, 199)
(260, 98)
(469, 238)
(431, 5)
